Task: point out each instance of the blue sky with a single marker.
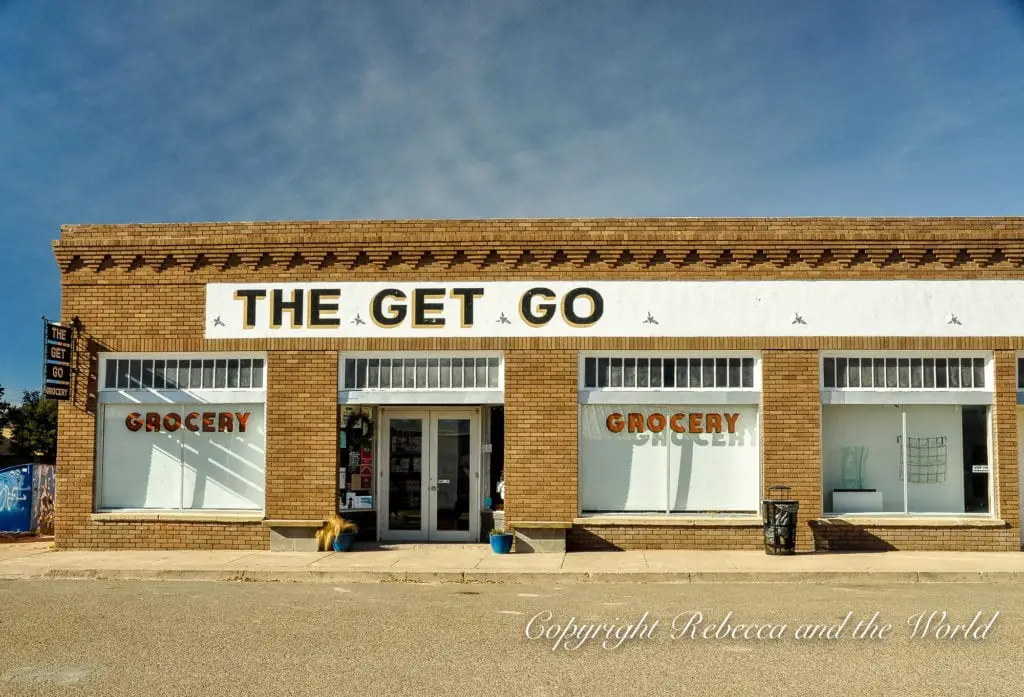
(195, 110)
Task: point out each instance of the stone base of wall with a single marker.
(165, 536)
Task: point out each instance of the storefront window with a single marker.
(162, 450)
(905, 459)
(421, 373)
(183, 374)
(682, 455)
(672, 372)
(669, 459)
(917, 444)
(182, 457)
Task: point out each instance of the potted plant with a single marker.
(345, 535)
(337, 534)
(501, 541)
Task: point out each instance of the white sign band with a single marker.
(616, 309)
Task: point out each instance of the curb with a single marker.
(518, 577)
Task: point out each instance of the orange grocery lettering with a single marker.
(615, 423)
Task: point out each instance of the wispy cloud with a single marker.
(186, 110)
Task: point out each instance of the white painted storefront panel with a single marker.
(182, 469)
(938, 308)
(669, 471)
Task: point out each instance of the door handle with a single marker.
(433, 488)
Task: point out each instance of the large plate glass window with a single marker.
(906, 434)
(182, 432)
(669, 434)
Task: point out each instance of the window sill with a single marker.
(710, 521)
(175, 517)
(900, 521)
(293, 523)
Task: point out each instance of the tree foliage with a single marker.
(34, 426)
(5, 410)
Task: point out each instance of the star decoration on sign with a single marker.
(953, 319)
(650, 319)
(358, 320)
(217, 322)
(503, 319)
(797, 319)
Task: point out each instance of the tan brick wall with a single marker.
(1005, 446)
(606, 538)
(791, 432)
(302, 433)
(881, 538)
(142, 288)
(541, 439)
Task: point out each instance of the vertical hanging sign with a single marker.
(56, 360)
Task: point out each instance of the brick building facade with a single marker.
(143, 296)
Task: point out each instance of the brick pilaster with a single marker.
(791, 432)
(541, 435)
(302, 433)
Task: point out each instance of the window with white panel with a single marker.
(181, 432)
(906, 433)
(669, 433)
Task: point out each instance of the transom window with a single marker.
(904, 372)
(422, 373)
(205, 373)
(674, 372)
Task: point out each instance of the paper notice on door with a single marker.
(341, 479)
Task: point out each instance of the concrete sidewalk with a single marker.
(447, 563)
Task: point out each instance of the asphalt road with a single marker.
(151, 638)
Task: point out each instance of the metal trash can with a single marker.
(780, 521)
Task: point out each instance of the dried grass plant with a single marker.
(334, 526)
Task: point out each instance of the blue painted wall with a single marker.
(16, 499)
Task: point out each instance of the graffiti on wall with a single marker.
(26, 498)
(43, 488)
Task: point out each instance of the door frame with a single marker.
(428, 473)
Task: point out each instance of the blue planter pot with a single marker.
(501, 544)
(343, 542)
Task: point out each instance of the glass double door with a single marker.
(431, 475)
